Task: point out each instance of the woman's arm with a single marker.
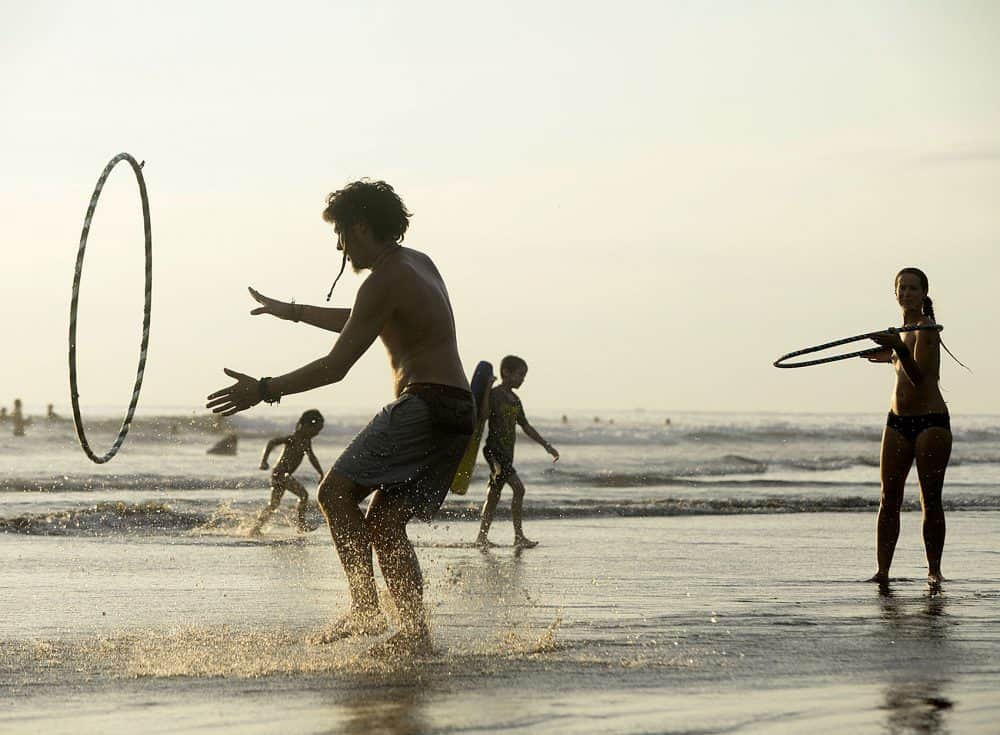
(921, 360)
(927, 350)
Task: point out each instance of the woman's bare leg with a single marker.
(933, 450)
(894, 466)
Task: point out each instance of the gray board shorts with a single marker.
(413, 445)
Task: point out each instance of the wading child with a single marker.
(297, 445)
(506, 413)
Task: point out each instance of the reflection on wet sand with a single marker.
(397, 709)
(918, 631)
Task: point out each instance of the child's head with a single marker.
(512, 371)
(310, 423)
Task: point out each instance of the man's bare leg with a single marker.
(517, 513)
(386, 521)
(486, 516)
(895, 462)
(338, 499)
(933, 450)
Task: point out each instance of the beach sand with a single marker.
(707, 624)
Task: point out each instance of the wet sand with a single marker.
(754, 623)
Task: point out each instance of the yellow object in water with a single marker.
(482, 381)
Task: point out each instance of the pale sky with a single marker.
(648, 201)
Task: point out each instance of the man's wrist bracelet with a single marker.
(296, 312)
(264, 392)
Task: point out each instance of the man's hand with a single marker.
(271, 306)
(241, 395)
(263, 464)
(552, 450)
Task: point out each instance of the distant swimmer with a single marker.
(3, 415)
(506, 414)
(918, 427)
(296, 446)
(409, 453)
(20, 422)
(51, 415)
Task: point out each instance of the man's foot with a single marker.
(350, 625)
(523, 542)
(405, 644)
(934, 579)
(879, 578)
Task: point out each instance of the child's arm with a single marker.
(267, 450)
(313, 460)
(530, 431)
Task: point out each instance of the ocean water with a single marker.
(702, 576)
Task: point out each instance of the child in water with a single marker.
(297, 445)
(506, 412)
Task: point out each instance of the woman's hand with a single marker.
(891, 340)
(271, 306)
(883, 354)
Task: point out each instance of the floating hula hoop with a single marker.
(780, 362)
(74, 393)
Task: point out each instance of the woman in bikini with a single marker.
(917, 428)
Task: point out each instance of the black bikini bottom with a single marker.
(912, 426)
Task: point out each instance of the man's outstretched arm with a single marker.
(372, 308)
(331, 319)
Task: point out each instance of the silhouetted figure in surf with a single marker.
(20, 422)
(408, 454)
(4, 417)
(227, 446)
(506, 414)
(297, 446)
(918, 427)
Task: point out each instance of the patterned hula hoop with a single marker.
(74, 393)
(844, 341)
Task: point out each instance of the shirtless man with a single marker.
(408, 453)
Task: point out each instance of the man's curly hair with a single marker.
(373, 203)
